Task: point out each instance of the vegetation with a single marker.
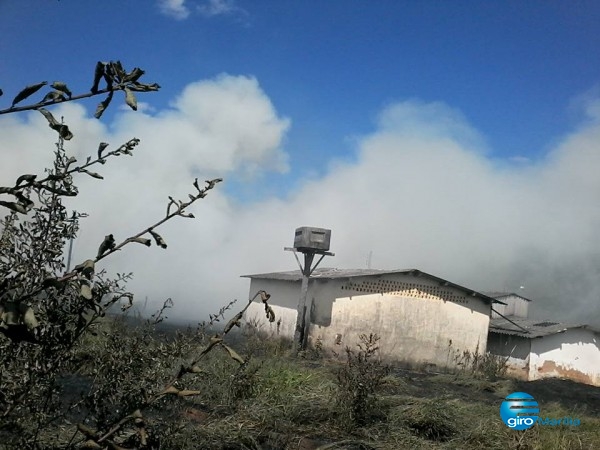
(358, 381)
(479, 365)
(47, 315)
(279, 401)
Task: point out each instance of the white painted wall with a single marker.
(515, 306)
(283, 301)
(418, 320)
(573, 354)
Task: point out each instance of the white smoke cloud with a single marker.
(175, 9)
(422, 192)
(213, 8)
(181, 10)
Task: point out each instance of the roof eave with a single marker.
(414, 272)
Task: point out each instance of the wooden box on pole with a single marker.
(309, 241)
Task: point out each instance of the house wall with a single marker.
(283, 301)
(516, 349)
(573, 354)
(417, 319)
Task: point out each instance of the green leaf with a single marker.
(103, 105)
(29, 90)
(62, 87)
(130, 99)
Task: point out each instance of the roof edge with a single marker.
(378, 272)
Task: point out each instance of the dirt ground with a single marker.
(567, 393)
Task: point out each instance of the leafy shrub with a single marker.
(359, 379)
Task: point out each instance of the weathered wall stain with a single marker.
(551, 369)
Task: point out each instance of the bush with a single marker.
(358, 381)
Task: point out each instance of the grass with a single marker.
(293, 408)
(280, 402)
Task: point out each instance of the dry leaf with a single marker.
(27, 91)
(234, 355)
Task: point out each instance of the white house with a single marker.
(421, 318)
(545, 349)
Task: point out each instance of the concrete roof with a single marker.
(331, 274)
(534, 328)
(498, 294)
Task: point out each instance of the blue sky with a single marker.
(512, 68)
(457, 137)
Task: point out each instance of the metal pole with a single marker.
(299, 335)
(70, 254)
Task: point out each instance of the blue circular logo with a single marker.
(519, 411)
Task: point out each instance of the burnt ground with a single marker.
(283, 428)
(566, 393)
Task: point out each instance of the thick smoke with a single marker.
(423, 192)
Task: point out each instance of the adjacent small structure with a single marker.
(514, 304)
(421, 318)
(538, 349)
